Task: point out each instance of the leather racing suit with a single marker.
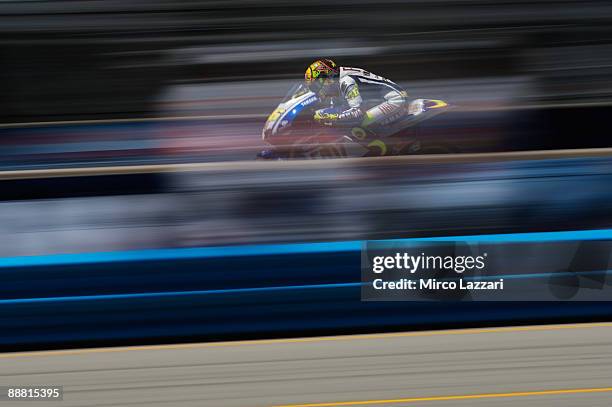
(367, 103)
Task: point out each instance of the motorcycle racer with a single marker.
(366, 103)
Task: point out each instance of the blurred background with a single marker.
(132, 209)
(521, 75)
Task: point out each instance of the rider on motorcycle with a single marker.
(367, 104)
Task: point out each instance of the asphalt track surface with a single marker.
(557, 365)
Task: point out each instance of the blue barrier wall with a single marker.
(232, 292)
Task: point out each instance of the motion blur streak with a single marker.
(129, 132)
(521, 76)
(450, 398)
(526, 366)
(307, 339)
(200, 253)
(305, 165)
(288, 202)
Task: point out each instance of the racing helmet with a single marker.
(320, 75)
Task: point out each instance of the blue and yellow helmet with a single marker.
(320, 74)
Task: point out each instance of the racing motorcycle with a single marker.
(292, 133)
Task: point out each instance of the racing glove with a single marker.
(330, 116)
(326, 116)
